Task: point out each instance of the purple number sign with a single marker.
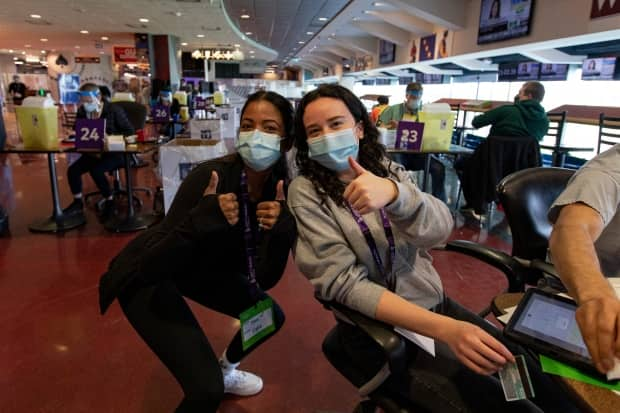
(409, 135)
(89, 133)
(160, 113)
(201, 103)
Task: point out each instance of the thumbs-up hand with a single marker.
(267, 212)
(228, 202)
(368, 192)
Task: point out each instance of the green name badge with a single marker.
(256, 323)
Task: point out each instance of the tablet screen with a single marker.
(552, 321)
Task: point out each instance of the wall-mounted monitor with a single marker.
(382, 82)
(504, 19)
(368, 82)
(600, 68)
(405, 80)
(553, 72)
(432, 79)
(528, 71)
(387, 52)
(507, 72)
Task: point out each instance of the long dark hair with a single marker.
(371, 153)
(285, 108)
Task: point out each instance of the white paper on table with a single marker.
(505, 318)
(425, 343)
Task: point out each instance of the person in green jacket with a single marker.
(526, 117)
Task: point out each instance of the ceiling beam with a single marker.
(404, 21)
(319, 58)
(307, 65)
(475, 64)
(432, 70)
(366, 45)
(553, 56)
(446, 13)
(328, 55)
(384, 31)
(342, 52)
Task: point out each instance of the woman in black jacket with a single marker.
(225, 240)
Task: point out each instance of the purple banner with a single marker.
(409, 135)
(160, 113)
(89, 133)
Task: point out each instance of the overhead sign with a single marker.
(125, 54)
(250, 66)
(89, 59)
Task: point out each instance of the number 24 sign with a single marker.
(89, 133)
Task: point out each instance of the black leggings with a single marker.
(163, 319)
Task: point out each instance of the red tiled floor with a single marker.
(57, 354)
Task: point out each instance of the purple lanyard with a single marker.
(386, 272)
(248, 236)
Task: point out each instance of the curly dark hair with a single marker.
(371, 153)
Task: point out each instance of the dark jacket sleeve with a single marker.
(274, 249)
(487, 118)
(121, 124)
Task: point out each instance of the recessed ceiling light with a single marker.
(15, 58)
(77, 47)
(322, 19)
(84, 31)
(355, 19)
(143, 20)
(10, 50)
(35, 16)
(378, 4)
(245, 16)
(101, 52)
(43, 51)
(26, 45)
(200, 35)
(184, 44)
(19, 62)
(248, 33)
(105, 38)
(301, 42)
(367, 12)
(251, 51)
(237, 45)
(178, 14)
(23, 52)
(43, 39)
(309, 33)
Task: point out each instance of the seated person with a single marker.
(526, 117)
(382, 104)
(585, 250)
(408, 111)
(364, 234)
(93, 106)
(165, 98)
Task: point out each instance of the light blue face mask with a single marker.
(259, 149)
(332, 150)
(91, 107)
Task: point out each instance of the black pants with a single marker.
(437, 172)
(163, 319)
(97, 167)
(443, 384)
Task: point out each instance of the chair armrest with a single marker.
(382, 333)
(511, 268)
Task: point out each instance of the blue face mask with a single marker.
(333, 149)
(258, 149)
(91, 107)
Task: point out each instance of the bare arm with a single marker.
(572, 247)
(475, 348)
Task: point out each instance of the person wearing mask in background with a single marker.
(225, 240)
(364, 235)
(93, 106)
(382, 104)
(585, 250)
(408, 111)
(17, 90)
(526, 117)
(165, 98)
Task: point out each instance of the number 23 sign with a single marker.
(409, 135)
(89, 133)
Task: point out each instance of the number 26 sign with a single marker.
(89, 133)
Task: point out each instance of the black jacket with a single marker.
(116, 122)
(495, 158)
(194, 239)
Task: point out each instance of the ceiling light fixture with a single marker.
(77, 47)
(200, 35)
(178, 14)
(10, 50)
(101, 52)
(184, 44)
(43, 39)
(84, 31)
(26, 45)
(35, 16)
(301, 42)
(248, 33)
(245, 16)
(43, 51)
(378, 4)
(143, 20)
(237, 45)
(105, 38)
(309, 33)
(323, 19)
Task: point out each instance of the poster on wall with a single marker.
(125, 54)
(413, 51)
(427, 48)
(68, 87)
(603, 8)
(444, 44)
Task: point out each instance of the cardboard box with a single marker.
(230, 120)
(179, 156)
(206, 129)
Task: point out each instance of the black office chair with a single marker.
(608, 132)
(555, 133)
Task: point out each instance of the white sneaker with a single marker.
(241, 383)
